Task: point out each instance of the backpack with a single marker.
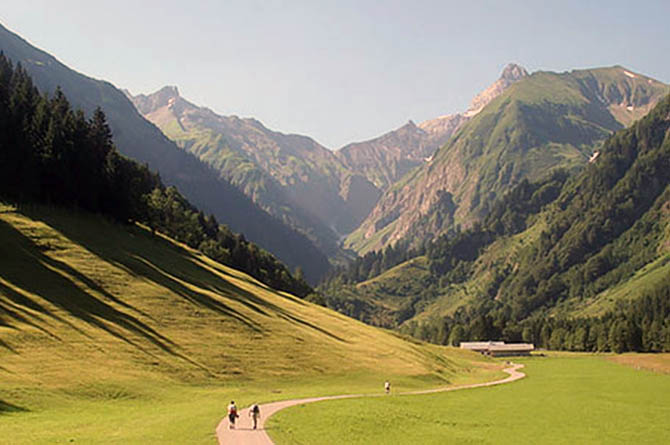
(255, 409)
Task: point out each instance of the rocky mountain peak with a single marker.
(513, 72)
(168, 90)
(166, 96)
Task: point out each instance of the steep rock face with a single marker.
(291, 176)
(386, 159)
(539, 123)
(139, 139)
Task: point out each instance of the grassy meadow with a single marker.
(111, 334)
(565, 399)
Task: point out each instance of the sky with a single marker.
(339, 71)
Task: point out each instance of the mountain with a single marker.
(139, 139)
(575, 262)
(291, 176)
(539, 123)
(324, 194)
(386, 159)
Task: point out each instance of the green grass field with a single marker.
(567, 399)
(110, 334)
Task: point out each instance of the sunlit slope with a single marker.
(82, 299)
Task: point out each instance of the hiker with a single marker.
(232, 414)
(255, 414)
(387, 387)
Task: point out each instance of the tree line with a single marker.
(50, 153)
(641, 325)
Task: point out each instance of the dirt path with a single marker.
(243, 434)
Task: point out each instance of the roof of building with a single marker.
(480, 344)
(513, 347)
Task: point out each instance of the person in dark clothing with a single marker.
(255, 414)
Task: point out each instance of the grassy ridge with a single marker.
(109, 334)
(564, 400)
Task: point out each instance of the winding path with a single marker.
(245, 435)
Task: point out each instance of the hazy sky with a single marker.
(339, 71)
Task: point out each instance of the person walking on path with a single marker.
(387, 387)
(232, 414)
(255, 414)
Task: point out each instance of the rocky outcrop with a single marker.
(389, 157)
(512, 73)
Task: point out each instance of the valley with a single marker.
(104, 322)
(163, 253)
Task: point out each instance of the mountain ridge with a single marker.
(543, 121)
(291, 176)
(587, 253)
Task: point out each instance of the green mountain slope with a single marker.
(553, 258)
(101, 321)
(542, 122)
(139, 139)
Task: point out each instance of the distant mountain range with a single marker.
(323, 194)
(139, 139)
(291, 176)
(548, 198)
(413, 183)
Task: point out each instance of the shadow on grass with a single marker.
(27, 268)
(16, 308)
(152, 257)
(6, 408)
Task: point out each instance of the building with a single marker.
(498, 348)
(480, 346)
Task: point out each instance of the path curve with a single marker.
(243, 434)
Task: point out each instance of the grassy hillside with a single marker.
(385, 299)
(110, 334)
(564, 400)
